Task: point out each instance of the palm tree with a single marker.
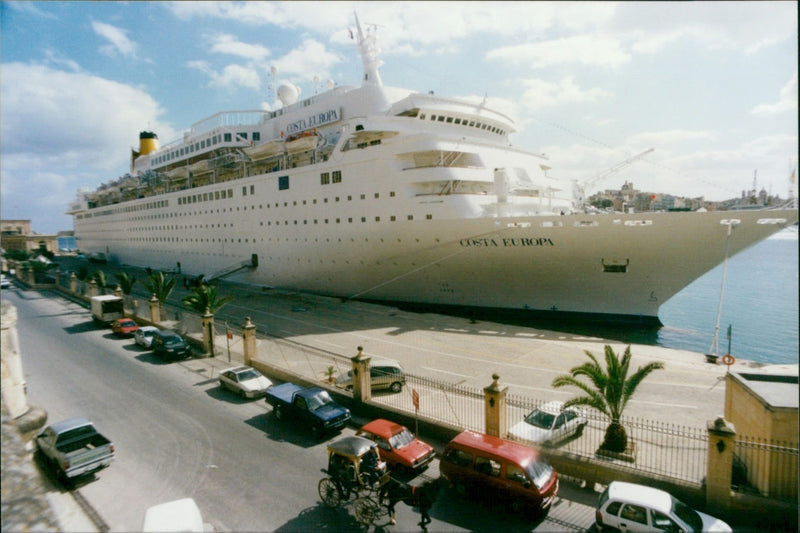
(609, 390)
(160, 286)
(99, 277)
(126, 283)
(205, 298)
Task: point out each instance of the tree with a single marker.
(99, 277)
(126, 283)
(159, 285)
(609, 390)
(204, 298)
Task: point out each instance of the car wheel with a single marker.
(278, 412)
(461, 489)
(396, 386)
(580, 429)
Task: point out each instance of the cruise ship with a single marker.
(385, 194)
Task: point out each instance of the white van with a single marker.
(384, 374)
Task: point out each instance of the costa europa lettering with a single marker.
(312, 121)
(506, 243)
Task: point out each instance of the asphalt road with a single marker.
(177, 434)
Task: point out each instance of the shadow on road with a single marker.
(322, 518)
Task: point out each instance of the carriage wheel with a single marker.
(329, 493)
(366, 511)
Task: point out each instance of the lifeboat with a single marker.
(200, 167)
(179, 172)
(307, 140)
(264, 150)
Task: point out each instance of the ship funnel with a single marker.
(148, 142)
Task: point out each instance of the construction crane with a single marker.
(579, 189)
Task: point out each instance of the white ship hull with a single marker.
(401, 197)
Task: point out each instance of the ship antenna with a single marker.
(367, 47)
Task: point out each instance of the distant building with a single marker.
(17, 235)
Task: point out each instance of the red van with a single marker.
(490, 466)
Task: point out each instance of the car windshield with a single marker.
(172, 341)
(247, 375)
(147, 332)
(127, 323)
(540, 419)
(319, 400)
(687, 514)
(402, 439)
(540, 472)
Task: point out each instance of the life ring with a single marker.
(728, 359)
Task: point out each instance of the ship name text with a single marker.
(506, 243)
(312, 121)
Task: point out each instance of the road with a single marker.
(177, 434)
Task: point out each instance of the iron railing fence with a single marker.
(669, 450)
(765, 467)
(455, 405)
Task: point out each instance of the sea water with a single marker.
(759, 304)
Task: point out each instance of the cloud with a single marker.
(311, 56)
(228, 44)
(787, 101)
(595, 50)
(540, 94)
(118, 39)
(62, 130)
(670, 137)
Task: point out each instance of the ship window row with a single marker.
(222, 194)
(326, 178)
(471, 123)
(129, 209)
(204, 144)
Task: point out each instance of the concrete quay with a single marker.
(688, 392)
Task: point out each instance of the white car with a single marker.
(550, 424)
(144, 336)
(245, 381)
(632, 507)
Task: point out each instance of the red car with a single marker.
(124, 327)
(399, 447)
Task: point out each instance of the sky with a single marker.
(710, 86)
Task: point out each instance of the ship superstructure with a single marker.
(386, 194)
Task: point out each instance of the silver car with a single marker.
(550, 424)
(244, 381)
(144, 336)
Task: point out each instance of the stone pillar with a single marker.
(494, 404)
(31, 276)
(57, 276)
(13, 380)
(92, 288)
(362, 389)
(721, 434)
(73, 283)
(155, 310)
(249, 341)
(208, 332)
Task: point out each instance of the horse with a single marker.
(422, 496)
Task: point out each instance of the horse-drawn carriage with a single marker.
(355, 472)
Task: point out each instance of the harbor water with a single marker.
(760, 304)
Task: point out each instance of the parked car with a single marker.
(493, 468)
(170, 344)
(4, 282)
(550, 424)
(399, 447)
(384, 374)
(74, 447)
(631, 507)
(312, 407)
(124, 327)
(179, 515)
(144, 336)
(244, 381)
